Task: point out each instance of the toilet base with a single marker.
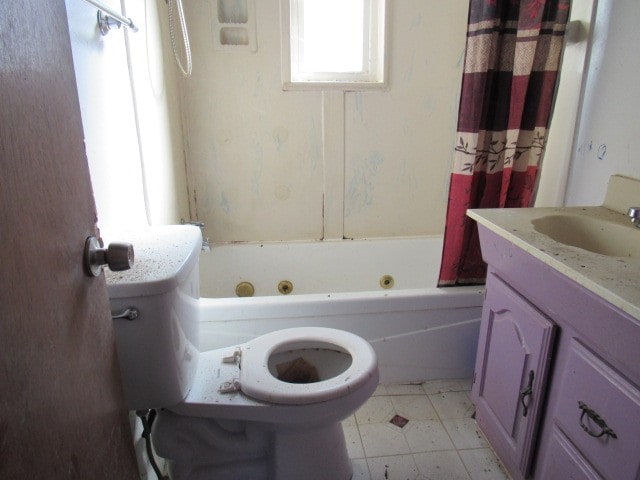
(313, 454)
(205, 449)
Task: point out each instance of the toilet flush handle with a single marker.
(117, 256)
(129, 313)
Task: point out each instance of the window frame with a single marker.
(374, 74)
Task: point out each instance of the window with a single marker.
(333, 43)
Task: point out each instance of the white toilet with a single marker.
(225, 413)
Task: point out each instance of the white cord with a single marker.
(185, 36)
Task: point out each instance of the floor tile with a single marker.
(427, 436)
(444, 465)
(444, 386)
(360, 469)
(482, 464)
(414, 407)
(349, 421)
(397, 467)
(438, 439)
(380, 439)
(466, 384)
(464, 433)
(376, 410)
(380, 390)
(452, 405)
(354, 443)
(405, 389)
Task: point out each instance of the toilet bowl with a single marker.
(343, 361)
(269, 408)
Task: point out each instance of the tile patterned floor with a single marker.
(440, 440)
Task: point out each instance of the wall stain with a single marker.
(224, 204)
(315, 146)
(602, 151)
(408, 74)
(358, 99)
(461, 58)
(282, 192)
(258, 87)
(416, 23)
(256, 176)
(429, 104)
(280, 135)
(360, 190)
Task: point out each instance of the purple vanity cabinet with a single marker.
(511, 372)
(595, 413)
(583, 407)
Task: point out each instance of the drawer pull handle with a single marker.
(597, 419)
(526, 392)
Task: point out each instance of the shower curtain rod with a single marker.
(106, 23)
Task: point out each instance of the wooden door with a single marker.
(513, 359)
(62, 412)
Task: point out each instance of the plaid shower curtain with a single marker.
(511, 66)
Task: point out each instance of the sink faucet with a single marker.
(634, 213)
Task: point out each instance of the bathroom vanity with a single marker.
(557, 377)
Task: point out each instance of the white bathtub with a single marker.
(418, 331)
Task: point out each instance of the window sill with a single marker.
(339, 86)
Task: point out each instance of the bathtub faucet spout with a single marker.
(206, 245)
(634, 214)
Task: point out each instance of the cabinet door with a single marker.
(564, 462)
(510, 375)
(599, 412)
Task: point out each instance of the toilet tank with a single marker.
(157, 350)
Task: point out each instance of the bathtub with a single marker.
(382, 290)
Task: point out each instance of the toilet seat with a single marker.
(256, 381)
(205, 399)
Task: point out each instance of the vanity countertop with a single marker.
(615, 279)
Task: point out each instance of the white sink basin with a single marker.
(595, 246)
(593, 234)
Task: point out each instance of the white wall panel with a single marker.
(256, 155)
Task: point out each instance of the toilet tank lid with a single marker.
(163, 258)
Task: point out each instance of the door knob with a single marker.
(117, 256)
